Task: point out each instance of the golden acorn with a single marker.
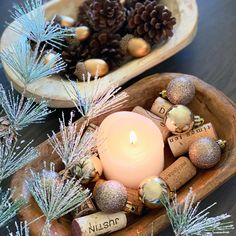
(82, 33)
(136, 47)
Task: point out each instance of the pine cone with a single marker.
(151, 21)
(105, 46)
(102, 15)
(131, 3)
(82, 16)
(71, 55)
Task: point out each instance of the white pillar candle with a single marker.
(130, 147)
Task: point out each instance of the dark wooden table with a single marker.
(211, 57)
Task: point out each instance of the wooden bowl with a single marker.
(209, 103)
(53, 90)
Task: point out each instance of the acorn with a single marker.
(82, 33)
(136, 47)
(65, 21)
(96, 67)
(49, 57)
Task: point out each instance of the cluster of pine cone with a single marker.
(109, 21)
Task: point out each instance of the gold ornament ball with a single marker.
(111, 196)
(150, 191)
(179, 119)
(205, 153)
(89, 170)
(180, 91)
(82, 33)
(138, 47)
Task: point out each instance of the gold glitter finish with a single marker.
(111, 196)
(179, 119)
(181, 91)
(205, 153)
(150, 191)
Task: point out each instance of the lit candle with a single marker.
(130, 147)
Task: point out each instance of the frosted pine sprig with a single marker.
(22, 113)
(186, 220)
(8, 208)
(72, 146)
(56, 197)
(22, 229)
(13, 157)
(93, 100)
(28, 65)
(31, 22)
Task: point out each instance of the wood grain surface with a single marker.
(211, 57)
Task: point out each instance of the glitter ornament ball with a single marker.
(111, 196)
(180, 91)
(150, 191)
(205, 153)
(179, 119)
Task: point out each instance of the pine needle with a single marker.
(8, 208)
(186, 221)
(22, 229)
(72, 147)
(56, 198)
(22, 113)
(13, 157)
(31, 22)
(95, 100)
(29, 66)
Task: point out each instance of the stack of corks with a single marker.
(195, 146)
(108, 32)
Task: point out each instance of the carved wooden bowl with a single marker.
(53, 90)
(209, 103)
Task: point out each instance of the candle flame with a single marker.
(133, 137)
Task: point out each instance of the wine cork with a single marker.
(179, 173)
(160, 107)
(179, 144)
(134, 205)
(86, 208)
(157, 120)
(98, 223)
